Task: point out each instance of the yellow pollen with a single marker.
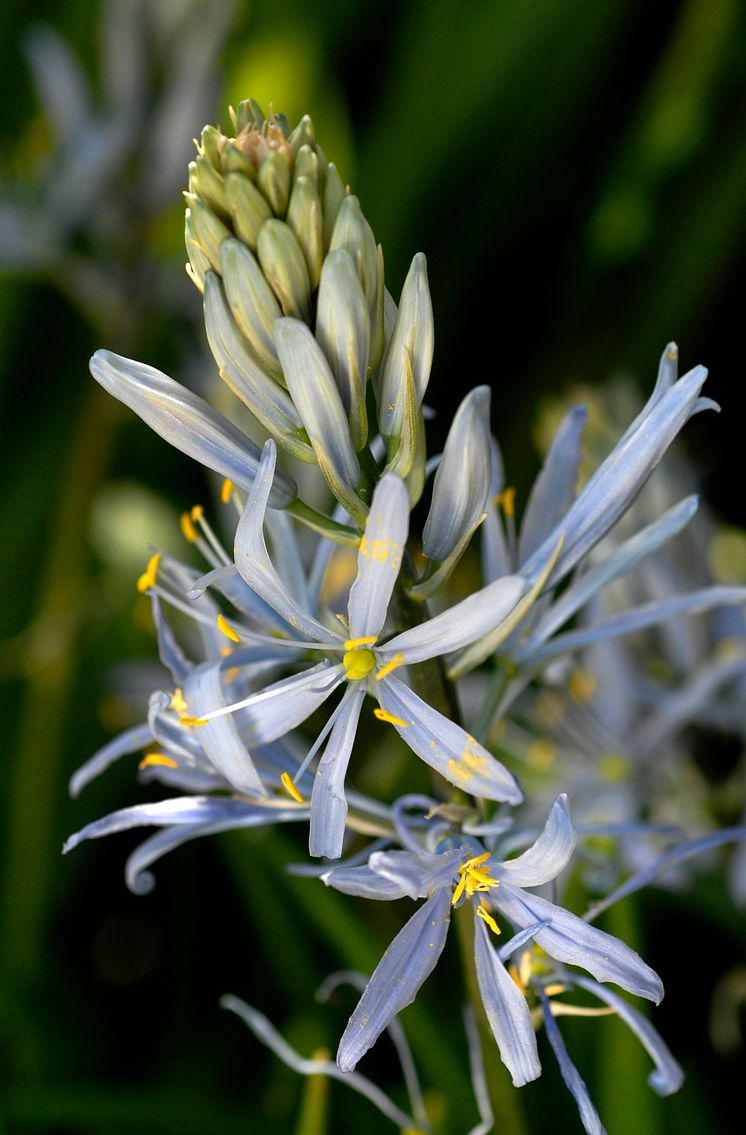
(185, 719)
(178, 701)
(474, 877)
(582, 684)
(358, 663)
(485, 915)
(158, 759)
(393, 664)
(147, 579)
(188, 531)
(506, 500)
(353, 642)
(226, 491)
(555, 989)
(382, 715)
(197, 513)
(227, 629)
(290, 788)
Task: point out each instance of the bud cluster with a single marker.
(297, 314)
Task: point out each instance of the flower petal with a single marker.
(549, 855)
(459, 625)
(567, 939)
(576, 1085)
(364, 883)
(163, 813)
(220, 737)
(275, 711)
(667, 1076)
(445, 746)
(506, 1009)
(418, 874)
(328, 802)
(254, 564)
(379, 558)
(396, 980)
(131, 741)
(187, 422)
(553, 491)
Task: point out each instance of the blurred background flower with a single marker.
(575, 173)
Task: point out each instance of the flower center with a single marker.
(358, 662)
(475, 876)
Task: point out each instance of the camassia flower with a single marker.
(472, 874)
(360, 662)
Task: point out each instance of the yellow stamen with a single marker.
(477, 861)
(227, 629)
(178, 701)
(553, 990)
(459, 890)
(197, 513)
(485, 915)
(582, 684)
(147, 579)
(353, 642)
(226, 491)
(290, 788)
(185, 719)
(382, 715)
(506, 500)
(158, 759)
(358, 663)
(188, 531)
(397, 661)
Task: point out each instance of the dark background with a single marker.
(576, 174)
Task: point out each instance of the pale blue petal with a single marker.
(364, 883)
(461, 624)
(518, 940)
(462, 481)
(187, 422)
(445, 746)
(282, 706)
(618, 480)
(567, 939)
(549, 855)
(317, 398)
(226, 580)
(506, 1010)
(379, 558)
(328, 802)
(496, 561)
(617, 564)
(163, 813)
(411, 344)
(286, 556)
(131, 741)
(636, 619)
(409, 960)
(574, 1081)
(419, 874)
(553, 491)
(667, 1076)
(141, 881)
(169, 651)
(254, 564)
(219, 737)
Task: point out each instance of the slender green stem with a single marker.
(312, 518)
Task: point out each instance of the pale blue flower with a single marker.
(493, 888)
(364, 665)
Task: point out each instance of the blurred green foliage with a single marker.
(576, 174)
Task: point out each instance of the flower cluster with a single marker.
(315, 607)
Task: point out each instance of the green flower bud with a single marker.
(304, 218)
(249, 209)
(284, 265)
(343, 333)
(273, 179)
(252, 302)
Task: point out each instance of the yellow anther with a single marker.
(225, 627)
(147, 579)
(382, 715)
(178, 701)
(158, 759)
(358, 663)
(554, 989)
(393, 664)
(506, 501)
(459, 890)
(353, 642)
(185, 719)
(290, 788)
(541, 754)
(196, 513)
(477, 861)
(226, 491)
(188, 531)
(473, 879)
(485, 915)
